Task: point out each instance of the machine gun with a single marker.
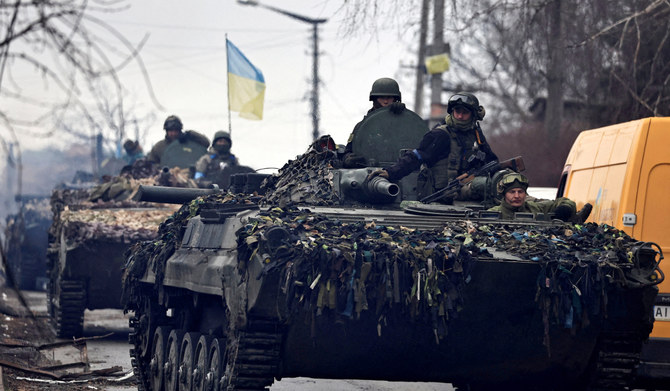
(455, 185)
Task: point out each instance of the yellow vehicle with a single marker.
(623, 170)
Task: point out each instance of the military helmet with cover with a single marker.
(467, 100)
(173, 122)
(222, 134)
(385, 87)
(512, 180)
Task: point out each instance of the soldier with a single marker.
(173, 131)
(384, 92)
(218, 163)
(133, 151)
(512, 188)
(450, 149)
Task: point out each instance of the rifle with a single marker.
(454, 186)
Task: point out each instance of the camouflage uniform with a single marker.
(216, 166)
(541, 206)
(564, 208)
(174, 123)
(157, 151)
(214, 161)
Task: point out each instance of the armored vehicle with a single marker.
(26, 241)
(92, 228)
(330, 274)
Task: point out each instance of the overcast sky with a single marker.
(186, 61)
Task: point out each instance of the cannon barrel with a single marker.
(381, 186)
(354, 183)
(171, 195)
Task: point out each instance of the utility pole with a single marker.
(314, 99)
(316, 114)
(421, 58)
(436, 106)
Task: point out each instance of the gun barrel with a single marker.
(381, 186)
(171, 195)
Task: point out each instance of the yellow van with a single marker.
(623, 170)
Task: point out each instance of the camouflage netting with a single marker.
(306, 180)
(348, 269)
(142, 172)
(112, 225)
(107, 212)
(114, 221)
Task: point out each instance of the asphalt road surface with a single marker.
(112, 350)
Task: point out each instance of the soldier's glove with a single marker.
(397, 107)
(583, 214)
(382, 173)
(564, 212)
(352, 160)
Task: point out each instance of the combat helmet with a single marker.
(173, 123)
(467, 100)
(511, 181)
(222, 134)
(385, 87)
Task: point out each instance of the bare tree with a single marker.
(59, 66)
(554, 66)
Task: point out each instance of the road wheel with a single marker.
(187, 360)
(158, 355)
(215, 360)
(201, 365)
(171, 367)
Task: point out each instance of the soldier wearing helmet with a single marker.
(385, 92)
(218, 163)
(512, 189)
(173, 131)
(451, 148)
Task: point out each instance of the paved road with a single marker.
(113, 351)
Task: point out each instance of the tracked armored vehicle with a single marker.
(92, 227)
(26, 242)
(332, 275)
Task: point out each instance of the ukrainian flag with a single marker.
(246, 85)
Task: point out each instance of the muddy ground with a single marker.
(30, 353)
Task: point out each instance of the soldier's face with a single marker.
(172, 134)
(461, 113)
(385, 100)
(515, 197)
(222, 142)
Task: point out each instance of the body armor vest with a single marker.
(460, 150)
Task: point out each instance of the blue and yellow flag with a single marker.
(246, 85)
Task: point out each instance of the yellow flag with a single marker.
(438, 63)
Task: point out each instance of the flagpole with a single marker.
(230, 125)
